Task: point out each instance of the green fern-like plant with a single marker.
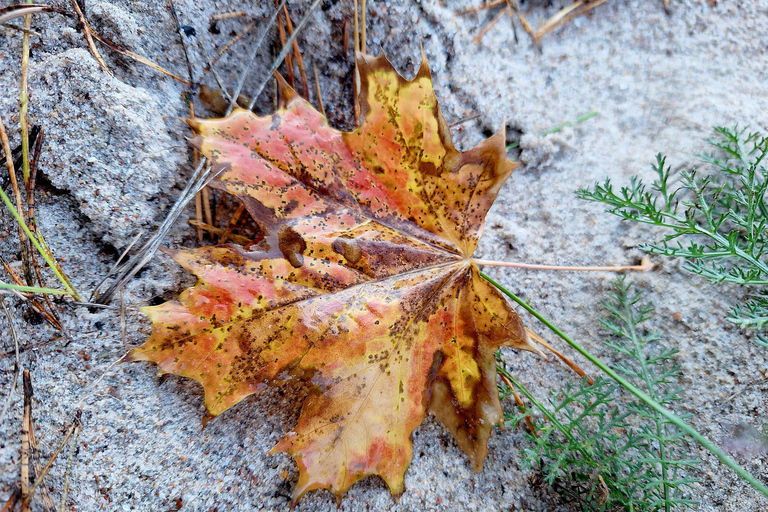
(716, 216)
(599, 453)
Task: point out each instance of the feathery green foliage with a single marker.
(599, 453)
(716, 216)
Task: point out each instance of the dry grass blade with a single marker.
(565, 15)
(523, 21)
(23, 240)
(297, 53)
(39, 309)
(180, 33)
(488, 26)
(16, 364)
(241, 240)
(224, 49)
(87, 32)
(11, 12)
(251, 60)
(117, 263)
(286, 48)
(25, 442)
(135, 56)
(24, 103)
(570, 364)
(33, 166)
(41, 473)
(232, 223)
(319, 93)
(38, 470)
(68, 471)
(520, 405)
(288, 60)
(490, 5)
(355, 103)
(198, 180)
(227, 15)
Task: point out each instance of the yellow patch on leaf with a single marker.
(363, 284)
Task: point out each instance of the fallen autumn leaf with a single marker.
(363, 283)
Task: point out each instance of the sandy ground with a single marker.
(115, 158)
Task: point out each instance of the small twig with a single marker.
(462, 121)
(16, 364)
(25, 442)
(68, 471)
(87, 32)
(227, 15)
(232, 41)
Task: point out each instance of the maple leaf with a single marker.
(363, 284)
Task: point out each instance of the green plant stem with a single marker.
(650, 402)
(33, 289)
(633, 336)
(48, 258)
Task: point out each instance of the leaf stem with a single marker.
(653, 404)
(645, 266)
